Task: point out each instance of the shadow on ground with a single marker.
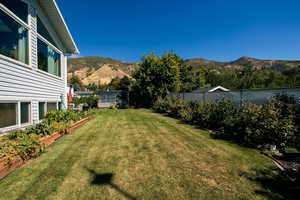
(276, 184)
(106, 179)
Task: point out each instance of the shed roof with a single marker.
(211, 89)
(55, 17)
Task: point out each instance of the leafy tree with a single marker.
(74, 80)
(157, 76)
(125, 83)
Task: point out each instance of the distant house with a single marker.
(34, 45)
(84, 93)
(107, 98)
(211, 89)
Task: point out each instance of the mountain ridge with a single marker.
(88, 69)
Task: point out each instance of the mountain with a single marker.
(100, 70)
(243, 62)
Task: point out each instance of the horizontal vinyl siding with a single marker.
(18, 81)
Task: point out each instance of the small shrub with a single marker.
(245, 127)
(60, 127)
(63, 116)
(23, 146)
(160, 105)
(114, 107)
(43, 128)
(186, 113)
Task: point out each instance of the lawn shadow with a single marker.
(275, 184)
(102, 179)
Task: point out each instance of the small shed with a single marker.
(211, 89)
(107, 98)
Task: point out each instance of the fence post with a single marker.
(204, 98)
(241, 97)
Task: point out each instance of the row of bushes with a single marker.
(274, 123)
(25, 144)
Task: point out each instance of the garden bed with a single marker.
(8, 165)
(290, 163)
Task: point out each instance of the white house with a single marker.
(34, 44)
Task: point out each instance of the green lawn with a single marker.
(137, 154)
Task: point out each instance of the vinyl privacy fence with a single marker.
(239, 97)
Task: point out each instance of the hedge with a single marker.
(275, 123)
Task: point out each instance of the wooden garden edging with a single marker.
(7, 166)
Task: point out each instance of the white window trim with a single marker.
(49, 74)
(39, 37)
(46, 108)
(18, 117)
(9, 59)
(48, 43)
(15, 17)
(25, 25)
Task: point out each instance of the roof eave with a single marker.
(57, 20)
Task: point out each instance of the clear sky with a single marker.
(220, 30)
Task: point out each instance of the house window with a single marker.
(42, 31)
(8, 114)
(18, 7)
(48, 59)
(46, 107)
(51, 106)
(15, 44)
(42, 112)
(25, 112)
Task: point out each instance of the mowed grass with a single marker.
(137, 154)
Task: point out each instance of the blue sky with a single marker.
(220, 30)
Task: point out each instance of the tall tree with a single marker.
(157, 76)
(74, 80)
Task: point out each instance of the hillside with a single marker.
(243, 62)
(97, 70)
(102, 70)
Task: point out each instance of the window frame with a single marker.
(29, 113)
(39, 37)
(18, 117)
(60, 52)
(26, 26)
(46, 108)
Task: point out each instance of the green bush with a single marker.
(253, 125)
(21, 145)
(186, 113)
(26, 144)
(277, 123)
(89, 102)
(63, 116)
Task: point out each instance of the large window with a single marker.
(8, 114)
(18, 7)
(25, 112)
(42, 30)
(13, 38)
(48, 59)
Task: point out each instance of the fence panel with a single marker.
(255, 96)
